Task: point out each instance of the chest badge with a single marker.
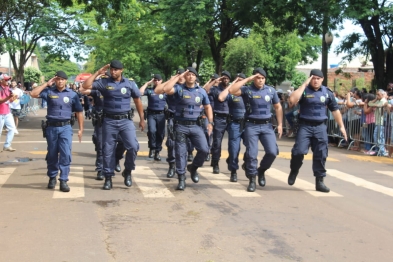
(323, 99)
(197, 99)
(123, 90)
(66, 100)
(161, 96)
(267, 98)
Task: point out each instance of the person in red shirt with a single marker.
(6, 118)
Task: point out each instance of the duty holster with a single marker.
(44, 125)
(145, 114)
(97, 118)
(72, 121)
(131, 114)
(171, 132)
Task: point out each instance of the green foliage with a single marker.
(297, 78)
(32, 74)
(206, 70)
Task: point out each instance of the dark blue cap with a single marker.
(241, 75)
(259, 70)
(180, 71)
(214, 76)
(192, 70)
(157, 76)
(226, 73)
(316, 72)
(116, 64)
(61, 74)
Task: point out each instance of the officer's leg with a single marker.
(181, 154)
(119, 153)
(160, 132)
(170, 144)
(152, 129)
(302, 143)
(65, 145)
(98, 145)
(220, 125)
(319, 147)
(251, 136)
(233, 149)
(209, 138)
(197, 138)
(52, 156)
(190, 149)
(109, 136)
(268, 141)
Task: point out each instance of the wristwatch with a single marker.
(212, 123)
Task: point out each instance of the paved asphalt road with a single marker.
(214, 220)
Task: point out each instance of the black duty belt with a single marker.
(58, 124)
(238, 121)
(258, 121)
(310, 123)
(116, 117)
(154, 112)
(220, 115)
(186, 123)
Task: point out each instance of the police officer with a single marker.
(189, 101)
(258, 99)
(155, 116)
(313, 99)
(214, 80)
(237, 110)
(117, 121)
(62, 102)
(97, 115)
(169, 115)
(220, 114)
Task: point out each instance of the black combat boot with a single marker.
(100, 175)
(108, 183)
(193, 171)
(64, 187)
(261, 177)
(320, 186)
(233, 176)
(292, 177)
(157, 156)
(52, 182)
(151, 153)
(127, 177)
(190, 157)
(251, 185)
(182, 182)
(117, 168)
(216, 168)
(171, 171)
(207, 158)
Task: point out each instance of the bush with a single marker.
(32, 74)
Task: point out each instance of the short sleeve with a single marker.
(100, 84)
(205, 99)
(76, 104)
(44, 94)
(93, 93)
(275, 99)
(135, 93)
(332, 103)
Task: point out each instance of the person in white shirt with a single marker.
(15, 104)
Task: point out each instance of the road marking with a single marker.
(388, 173)
(287, 155)
(5, 173)
(299, 184)
(366, 158)
(150, 185)
(76, 183)
(360, 182)
(222, 181)
(75, 141)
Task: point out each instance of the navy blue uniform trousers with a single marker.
(316, 137)
(220, 125)
(234, 138)
(156, 131)
(170, 143)
(111, 130)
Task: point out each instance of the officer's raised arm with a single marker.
(169, 85)
(224, 94)
(297, 94)
(143, 88)
(234, 89)
(36, 91)
(88, 84)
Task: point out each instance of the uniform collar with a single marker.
(319, 89)
(254, 87)
(65, 89)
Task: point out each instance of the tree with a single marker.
(277, 55)
(32, 75)
(36, 22)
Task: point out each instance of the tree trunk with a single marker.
(389, 65)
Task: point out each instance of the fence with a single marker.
(28, 105)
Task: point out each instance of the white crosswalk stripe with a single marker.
(299, 184)
(360, 182)
(5, 173)
(388, 173)
(150, 185)
(76, 183)
(222, 181)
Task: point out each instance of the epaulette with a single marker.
(328, 88)
(131, 79)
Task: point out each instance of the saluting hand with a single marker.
(51, 81)
(307, 82)
(103, 69)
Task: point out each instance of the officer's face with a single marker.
(156, 82)
(259, 81)
(225, 80)
(181, 80)
(116, 73)
(190, 78)
(60, 82)
(316, 82)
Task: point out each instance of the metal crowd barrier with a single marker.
(28, 105)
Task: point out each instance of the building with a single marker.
(7, 67)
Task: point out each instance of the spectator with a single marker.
(379, 132)
(15, 104)
(5, 115)
(355, 105)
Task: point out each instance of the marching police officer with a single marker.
(237, 110)
(258, 99)
(155, 116)
(220, 114)
(313, 99)
(97, 115)
(117, 118)
(190, 98)
(62, 102)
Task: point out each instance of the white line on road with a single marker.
(150, 185)
(76, 183)
(388, 173)
(222, 181)
(360, 182)
(299, 184)
(5, 173)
